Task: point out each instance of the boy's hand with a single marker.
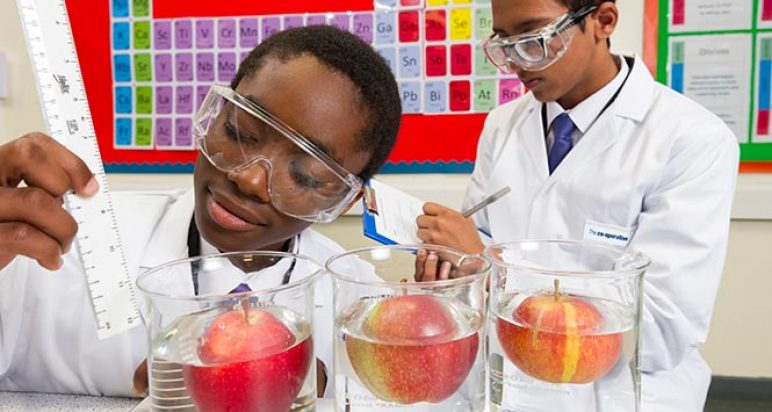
(33, 222)
(440, 225)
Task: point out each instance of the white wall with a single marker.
(739, 342)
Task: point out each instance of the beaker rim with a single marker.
(461, 280)
(635, 261)
(212, 296)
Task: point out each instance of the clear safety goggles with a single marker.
(535, 50)
(235, 134)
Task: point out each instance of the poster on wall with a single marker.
(718, 53)
(164, 55)
(715, 72)
(706, 15)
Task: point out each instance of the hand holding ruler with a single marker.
(65, 109)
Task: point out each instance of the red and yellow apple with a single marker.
(555, 339)
(412, 353)
(253, 364)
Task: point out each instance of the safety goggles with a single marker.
(538, 49)
(235, 134)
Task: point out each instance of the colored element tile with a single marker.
(141, 8)
(184, 100)
(163, 131)
(484, 95)
(390, 55)
(363, 26)
(408, 26)
(205, 67)
(482, 67)
(164, 70)
(122, 67)
(291, 22)
(434, 25)
(435, 3)
(316, 20)
(205, 34)
(248, 33)
(410, 93)
(162, 34)
(409, 61)
(144, 100)
(483, 23)
(183, 133)
(460, 24)
(123, 100)
(226, 67)
(271, 26)
(436, 60)
(123, 129)
(509, 89)
(141, 34)
(340, 21)
(183, 64)
(460, 59)
(459, 96)
(410, 3)
(183, 34)
(435, 97)
(120, 8)
(121, 35)
(384, 28)
(142, 67)
(164, 100)
(226, 33)
(144, 131)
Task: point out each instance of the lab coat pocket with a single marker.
(614, 235)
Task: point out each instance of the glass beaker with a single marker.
(231, 331)
(406, 345)
(564, 322)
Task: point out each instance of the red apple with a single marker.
(412, 354)
(558, 341)
(256, 365)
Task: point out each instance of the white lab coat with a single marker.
(655, 168)
(48, 340)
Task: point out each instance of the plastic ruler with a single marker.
(65, 109)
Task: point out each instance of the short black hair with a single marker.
(346, 53)
(575, 5)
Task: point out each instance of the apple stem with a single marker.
(557, 290)
(403, 291)
(245, 308)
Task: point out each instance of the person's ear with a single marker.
(606, 18)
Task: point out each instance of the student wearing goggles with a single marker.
(597, 141)
(535, 50)
(235, 133)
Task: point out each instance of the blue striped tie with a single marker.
(563, 127)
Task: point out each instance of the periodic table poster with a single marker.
(147, 65)
(719, 53)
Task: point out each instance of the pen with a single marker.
(485, 202)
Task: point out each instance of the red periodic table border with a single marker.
(428, 143)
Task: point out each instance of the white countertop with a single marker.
(45, 402)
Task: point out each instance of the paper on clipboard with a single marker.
(389, 214)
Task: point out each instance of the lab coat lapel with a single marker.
(169, 240)
(530, 134)
(632, 103)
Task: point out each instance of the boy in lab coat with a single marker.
(597, 146)
(311, 113)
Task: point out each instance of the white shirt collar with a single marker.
(585, 113)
